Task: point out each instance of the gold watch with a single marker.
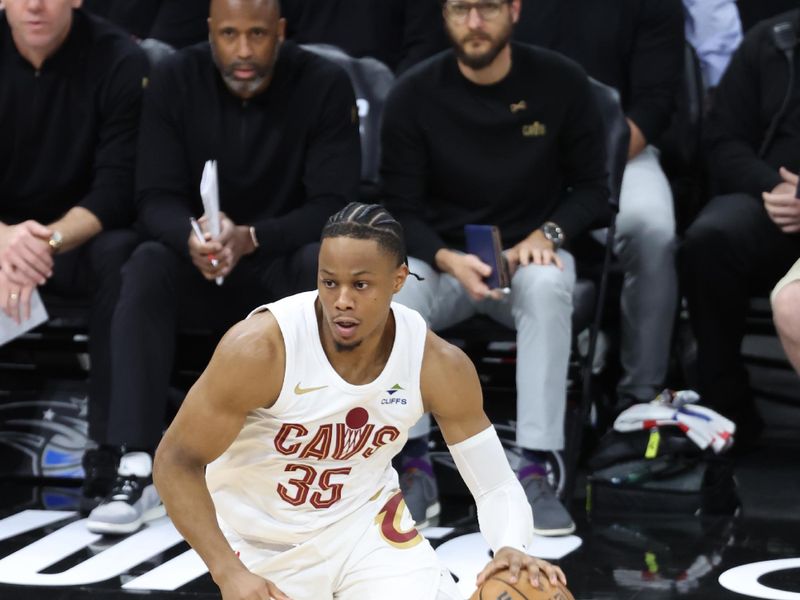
(56, 241)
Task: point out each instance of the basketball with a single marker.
(498, 588)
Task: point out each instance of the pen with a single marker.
(198, 233)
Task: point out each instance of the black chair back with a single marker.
(371, 80)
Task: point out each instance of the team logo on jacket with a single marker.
(535, 129)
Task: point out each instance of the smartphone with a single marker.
(484, 242)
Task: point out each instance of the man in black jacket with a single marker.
(283, 127)
(746, 238)
(635, 46)
(70, 99)
(179, 23)
(399, 33)
(499, 134)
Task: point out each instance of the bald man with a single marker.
(283, 127)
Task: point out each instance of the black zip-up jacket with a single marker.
(399, 33)
(68, 131)
(514, 154)
(749, 95)
(287, 158)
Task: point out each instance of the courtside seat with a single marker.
(371, 80)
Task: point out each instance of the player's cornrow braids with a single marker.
(369, 222)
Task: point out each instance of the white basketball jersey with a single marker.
(325, 447)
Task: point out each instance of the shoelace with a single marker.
(543, 487)
(408, 477)
(125, 488)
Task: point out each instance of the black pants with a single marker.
(162, 293)
(731, 252)
(93, 271)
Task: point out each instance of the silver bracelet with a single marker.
(253, 237)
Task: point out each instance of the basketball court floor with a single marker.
(47, 553)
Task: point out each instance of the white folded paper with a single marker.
(209, 192)
(10, 329)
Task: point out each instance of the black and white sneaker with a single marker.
(133, 500)
(100, 471)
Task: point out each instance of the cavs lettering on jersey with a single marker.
(324, 449)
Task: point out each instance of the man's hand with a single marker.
(237, 243)
(515, 561)
(781, 204)
(534, 249)
(470, 272)
(244, 585)
(206, 255)
(233, 242)
(637, 141)
(25, 255)
(15, 300)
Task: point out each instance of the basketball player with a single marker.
(298, 416)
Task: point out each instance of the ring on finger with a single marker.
(13, 296)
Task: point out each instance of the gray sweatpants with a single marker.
(540, 309)
(645, 245)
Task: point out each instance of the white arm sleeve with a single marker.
(504, 515)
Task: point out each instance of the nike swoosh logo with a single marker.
(300, 391)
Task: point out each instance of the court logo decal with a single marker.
(744, 579)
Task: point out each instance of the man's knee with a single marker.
(645, 232)
(717, 229)
(537, 286)
(110, 250)
(784, 310)
(151, 266)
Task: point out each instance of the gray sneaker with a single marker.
(550, 518)
(133, 500)
(418, 484)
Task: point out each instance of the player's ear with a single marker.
(400, 276)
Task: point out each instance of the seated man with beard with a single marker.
(503, 134)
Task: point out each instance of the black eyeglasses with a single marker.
(458, 12)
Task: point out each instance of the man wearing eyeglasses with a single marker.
(505, 134)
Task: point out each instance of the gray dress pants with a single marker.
(540, 309)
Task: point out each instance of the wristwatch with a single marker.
(553, 233)
(55, 241)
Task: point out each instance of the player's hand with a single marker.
(781, 204)
(204, 255)
(534, 249)
(15, 300)
(470, 272)
(244, 585)
(25, 254)
(517, 563)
